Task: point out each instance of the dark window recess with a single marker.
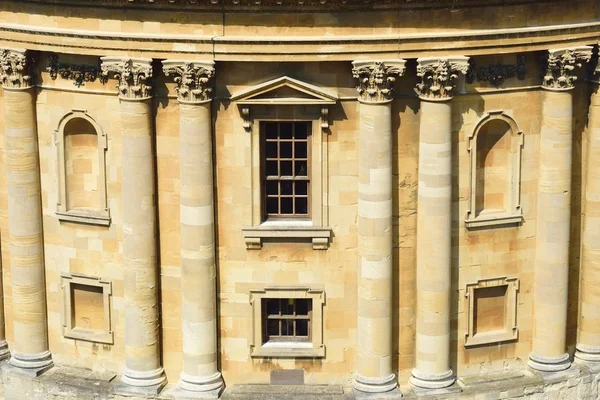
(286, 320)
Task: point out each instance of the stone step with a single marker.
(286, 392)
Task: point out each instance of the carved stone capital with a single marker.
(438, 77)
(14, 69)
(376, 79)
(561, 65)
(193, 79)
(133, 75)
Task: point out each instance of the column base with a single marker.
(588, 354)
(32, 364)
(374, 385)
(4, 352)
(432, 381)
(549, 364)
(141, 383)
(199, 387)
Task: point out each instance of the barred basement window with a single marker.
(286, 169)
(286, 320)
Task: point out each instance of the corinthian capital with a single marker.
(192, 79)
(133, 75)
(438, 77)
(561, 67)
(376, 78)
(14, 68)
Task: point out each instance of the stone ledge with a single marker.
(254, 236)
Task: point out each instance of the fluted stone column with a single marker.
(30, 353)
(374, 354)
(143, 373)
(434, 218)
(554, 212)
(200, 377)
(588, 340)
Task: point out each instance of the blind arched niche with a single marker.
(495, 147)
(81, 166)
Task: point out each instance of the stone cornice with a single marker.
(376, 79)
(193, 79)
(561, 65)
(14, 69)
(438, 77)
(133, 75)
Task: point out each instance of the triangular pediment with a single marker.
(285, 90)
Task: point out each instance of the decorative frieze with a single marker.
(438, 77)
(376, 78)
(193, 79)
(77, 73)
(561, 65)
(496, 74)
(133, 75)
(14, 68)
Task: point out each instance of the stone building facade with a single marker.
(198, 198)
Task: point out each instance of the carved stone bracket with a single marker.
(561, 65)
(193, 79)
(376, 79)
(438, 77)
(496, 74)
(79, 74)
(133, 75)
(15, 68)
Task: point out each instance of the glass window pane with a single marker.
(286, 187)
(271, 149)
(273, 327)
(285, 130)
(272, 187)
(271, 168)
(272, 205)
(286, 168)
(301, 187)
(302, 306)
(302, 327)
(286, 149)
(271, 130)
(286, 205)
(272, 306)
(301, 168)
(300, 149)
(301, 205)
(301, 130)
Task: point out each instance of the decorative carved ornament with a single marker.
(193, 80)
(14, 68)
(561, 65)
(438, 77)
(79, 74)
(376, 79)
(496, 74)
(133, 75)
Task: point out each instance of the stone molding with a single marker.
(133, 75)
(15, 69)
(438, 77)
(78, 73)
(193, 79)
(496, 74)
(561, 65)
(376, 79)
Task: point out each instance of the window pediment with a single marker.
(285, 91)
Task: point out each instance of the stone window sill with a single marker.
(90, 217)
(493, 219)
(254, 236)
(491, 337)
(288, 350)
(89, 335)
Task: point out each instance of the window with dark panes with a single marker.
(286, 320)
(286, 169)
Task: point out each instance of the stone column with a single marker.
(200, 376)
(554, 212)
(434, 221)
(143, 374)
(588, 340)
(30, 353)
(374, 353)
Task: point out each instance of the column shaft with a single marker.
(25, 229)
(433, 247)
(588, 341)
(142, 344)
(553, 233)
(198, 277)
(375, 249)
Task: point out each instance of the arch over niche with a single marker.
(495, 147)
(81, 169)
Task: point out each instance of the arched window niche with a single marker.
(495, 147)
(81, 167)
